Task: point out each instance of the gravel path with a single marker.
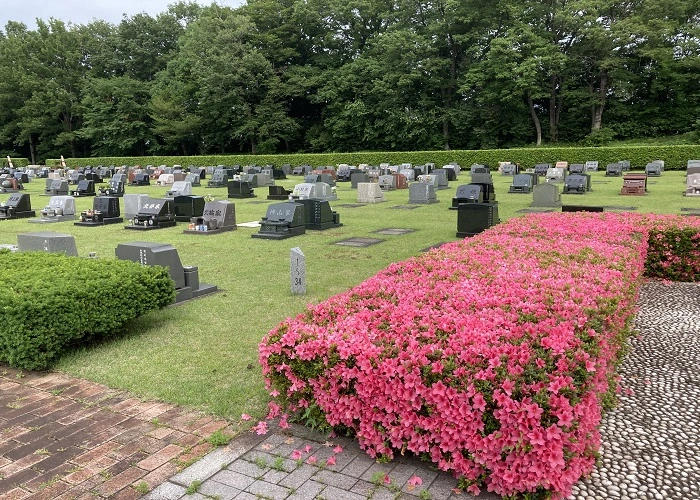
(651, 441)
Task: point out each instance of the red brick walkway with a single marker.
(62, 437)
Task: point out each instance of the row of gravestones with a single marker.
(186, 278)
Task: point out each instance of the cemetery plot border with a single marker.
(359, 242)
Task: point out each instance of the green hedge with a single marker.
(16, 162)
(676, 157)
(52, 301)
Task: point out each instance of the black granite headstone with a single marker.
(283, 220)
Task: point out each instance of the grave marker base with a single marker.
(160, 225)
(102, 222)
(55, 218)
(270, 231)
(209, 231)
(241, 196)
(18, 215)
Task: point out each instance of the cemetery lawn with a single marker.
(204, 353)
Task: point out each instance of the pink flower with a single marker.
(413, 482)
(307, 448)
(245, 416)
(330, 460)
(283, 424)
(296, 455)
(311, 460)
(338, 449)
(387, 479)
(261, 428)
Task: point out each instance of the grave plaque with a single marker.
(613, 170)
(692, 164)
(576, 184)
(318, 215)
(283, 220)
(155, 213)
(522, 183)
(188, 206)
(105, 210)
(179, 188)
(358, 178)
(218, 216)
(46, 241)
(56, 188)
(369, 192)
(653, 170)
(219, 178)
(278, 193)
(17, 206)
(140, 179)
(546, 195)
(542, 168)
(429, 179)
(297, 271)
(240, 189)
(591, 166)
(634, 185)
(85, 188)
(193, 178)
(60, 208)
(148, 253)
(692, 185)
(420, 193)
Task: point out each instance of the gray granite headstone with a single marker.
(132, 204)
(421, 193)
(47, 241)
(180, 188)
(546, 195)
(693, 185)
(297, 262)
(369, 192)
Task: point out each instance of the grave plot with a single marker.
(653, 170)
(85, 188)
(9, 184)
(59, 209)
(187, 207)
(47, 241)
(105, 210)
(56, 187)
(217, 217)
(577, 184)
(156, 213)
(218, 179)
(141, 179)
(282, 220)
(278, 193)
(17, 206)
(613, 170)
(186, 278)
(634, 185)
(542, 168)
(115, 187)
(318, 215)
(359, 242)
(522, 183)
(477, 208)
(240, 189)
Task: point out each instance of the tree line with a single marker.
(352, 75)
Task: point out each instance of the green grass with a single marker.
(203, 353)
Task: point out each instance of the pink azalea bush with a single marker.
(493, 357)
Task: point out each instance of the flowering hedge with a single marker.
(493, 357)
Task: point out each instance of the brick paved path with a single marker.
(62, 437)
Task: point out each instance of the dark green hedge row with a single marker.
(52, 301)
(16, 162)
(676, 157)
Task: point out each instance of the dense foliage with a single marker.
(322, 75)
(52, 302)
(493, 357)
(675, 157)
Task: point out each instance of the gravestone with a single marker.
(661, 163)
(54, 176)
(301, 170)
(692, 185)
(542, 168)
(410, 174)
(57, 187)
(286, 169)
(478, 168)
(74, 177)
(240, 189)
(420, 193)
(85, 188)
(387, 182)
(613, 170)
(625, 164)
(166, 179)
(510, 169)
(358, 178)
(634, 185)
(155, 213)
(188, 206)
(468, 193)
(400, 181)
(105, 210)
(179, 188)
(283, 220)
(343, 173)
(132, 204)
(562, 164)
(297, 271)
(278, 193)
(140, 179)
(452, 171)
(577, 168)
(263, 179)
(47, 241)
(115, 186)
(576, 184)
(693, 169)
(186, 278)
(429, 179)
(17, 206)
(194, 179)
(591, 166)
(218, 179)
(691, 164)
(556, 174)
(546, 195)
(318, 215)
(217, 217)
(441, 175)
(369, 192)
(59, 209)
(653, 170)
(522, 183)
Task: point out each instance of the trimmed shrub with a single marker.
(52, 301)
(675, 157)
(493, 357)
